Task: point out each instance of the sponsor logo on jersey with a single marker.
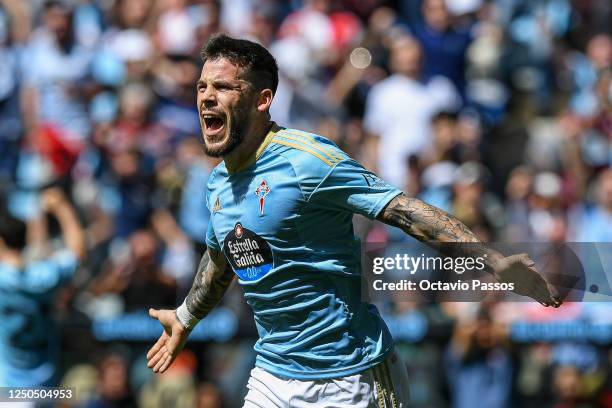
(249, 254)
(262, 191)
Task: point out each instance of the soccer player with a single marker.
(281, 204)
(28, 344)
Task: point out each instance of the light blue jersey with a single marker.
(284, 222)
(28, 342)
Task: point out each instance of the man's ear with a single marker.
(264, 100)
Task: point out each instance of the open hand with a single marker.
(520, 270)
(169, 344)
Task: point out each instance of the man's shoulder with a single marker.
(308, 153)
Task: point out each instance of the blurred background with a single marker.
(498, 111)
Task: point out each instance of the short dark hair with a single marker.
(259, 64)
(445, 115)
(12, 230)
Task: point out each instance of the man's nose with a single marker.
(209, 96)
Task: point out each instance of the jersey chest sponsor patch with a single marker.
(249, 254)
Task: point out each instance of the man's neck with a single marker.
(245, 151)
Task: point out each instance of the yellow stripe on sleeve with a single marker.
(304, 149)
(308, 139)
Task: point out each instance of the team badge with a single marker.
(262, 191)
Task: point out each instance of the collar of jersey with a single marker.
(274, 129)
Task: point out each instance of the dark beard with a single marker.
(239, 122)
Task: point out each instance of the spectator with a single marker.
(114, 390)
(473, 204)
(585, 69)
(11, 122)
(133, 190)
(28, 291)
(594, 223)
(55, 70)
(479, 365)
(399, 110)
(209, 396)
(444, 46)
(138, 277)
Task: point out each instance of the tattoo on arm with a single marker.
(425, 222)
(437, 228)
(212, 279)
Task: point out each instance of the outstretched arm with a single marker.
(425, 222)
(212, 279)
(436, 227)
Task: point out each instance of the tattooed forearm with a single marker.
(211, 281)
(436, 228)
(425, 222)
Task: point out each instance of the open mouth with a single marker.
(213, 123)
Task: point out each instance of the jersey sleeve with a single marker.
(350, 187)
(211, 238)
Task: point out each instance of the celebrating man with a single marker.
(281, 207)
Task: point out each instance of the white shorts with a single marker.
(382, 386)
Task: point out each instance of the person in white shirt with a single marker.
(399, 110)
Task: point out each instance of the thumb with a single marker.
(154, 313)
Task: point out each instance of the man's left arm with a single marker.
(435, 227)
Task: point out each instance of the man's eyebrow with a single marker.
(222, 82)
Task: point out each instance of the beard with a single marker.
(237, 123)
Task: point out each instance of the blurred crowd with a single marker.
(498, 111)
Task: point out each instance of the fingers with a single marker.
(548, 291)
(543, 291)
(166, 364)
(154, 313)
(527, 260)
(153, 361)
(546, 294)
(162, 362)
(554, 294)
(541, 286)
(157, 346)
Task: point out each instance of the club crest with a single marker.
(262, 191)
(238, 230)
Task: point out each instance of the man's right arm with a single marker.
(212, 279)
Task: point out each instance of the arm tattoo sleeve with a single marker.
(212, 279)
(425, 222)
(436, 228)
